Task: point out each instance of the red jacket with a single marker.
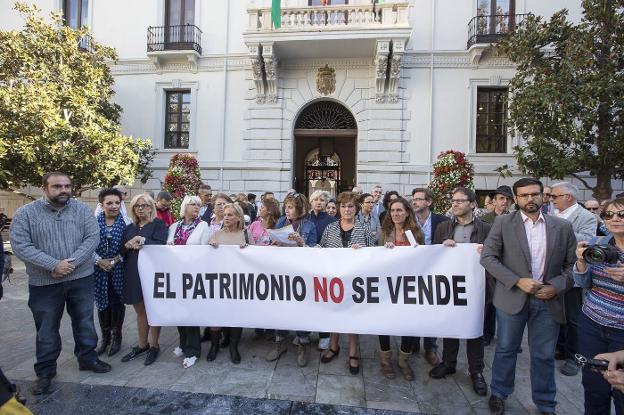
(165, 215)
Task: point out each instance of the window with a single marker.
(178, 119)
(179, 16)
(75, 13)
(498, 16)
(491, 120)
(326, 2)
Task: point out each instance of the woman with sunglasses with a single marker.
(296, 215)
(348, 232)
(190, 230)
(147, 229)
(602, 320)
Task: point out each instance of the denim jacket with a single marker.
(307, 229)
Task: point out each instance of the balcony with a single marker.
(491, 28)
(329, 31)
(174, 43)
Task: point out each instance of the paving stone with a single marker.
(340, 390)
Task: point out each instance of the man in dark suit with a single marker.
(422, 201)
(205, 194)
(531, 257)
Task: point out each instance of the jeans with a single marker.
(47, 304)
(430, 344)
(543, 332)
(568, 337)
(598, 392)
(474, 351)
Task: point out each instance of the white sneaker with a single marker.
(189, 361)
(323, 344)
(178, 352)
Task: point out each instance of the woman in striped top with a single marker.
(602, 322)
(348, 232)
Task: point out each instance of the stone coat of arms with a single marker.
(326, 80)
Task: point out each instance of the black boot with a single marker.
(226, 337)
(105, 324)
(235, 335)
(117, 320)
(214, 345)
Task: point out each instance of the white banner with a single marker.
(431, 291)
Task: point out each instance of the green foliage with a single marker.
(566, 97)
(56, 109)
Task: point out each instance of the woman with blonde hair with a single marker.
(146, 229)
(399, 219)
(348, 232)
(233, 232)
(189, 230)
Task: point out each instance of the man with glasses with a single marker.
(378, 207)
(584, 223)
(530, 255)
(56, 237)
(593, 206)
(464, 228)
(422, 202)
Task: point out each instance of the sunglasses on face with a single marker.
(608, 215)
(593, 209)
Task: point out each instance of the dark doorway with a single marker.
(325, 149)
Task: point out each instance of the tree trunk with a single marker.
(603, 188)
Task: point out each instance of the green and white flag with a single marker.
(276, 14)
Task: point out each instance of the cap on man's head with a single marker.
(503, 190)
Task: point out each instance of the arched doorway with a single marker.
(325, 149)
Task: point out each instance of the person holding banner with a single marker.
(345, 233)
(147, 229)
(531, 257)
(190, 230)
(464, 228)
(400, 219)
(232, 233)
(109, 272)
(295, 214)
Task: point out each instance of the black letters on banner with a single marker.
(170, 294)
(371, 289)
(394, 289)
(408, 287)
(199, 290)
(211, 278)
(441, 280)
(299, 288)
(158, 283)
(187, 283)
(425, 290)
(459, 290)
(357, 284)
(262, 295)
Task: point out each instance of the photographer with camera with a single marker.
(599, 269)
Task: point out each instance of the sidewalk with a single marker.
(253, 386)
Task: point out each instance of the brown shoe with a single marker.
(385, 359)
(432, 358)
(406, 370)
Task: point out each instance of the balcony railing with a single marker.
(321, 18)
(491, 28)
(184, 37)
(85, 44)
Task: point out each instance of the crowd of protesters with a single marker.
(532, 239)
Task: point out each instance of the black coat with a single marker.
(207, 216)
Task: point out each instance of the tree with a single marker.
(450, 170)
(56, 112)
(182, 178)
(567, 94)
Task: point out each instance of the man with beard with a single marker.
(56, 237)
(530, 255)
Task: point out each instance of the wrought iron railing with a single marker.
(85, 44)
(490, 28)
(182, 37)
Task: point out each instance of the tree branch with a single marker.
(576, 176)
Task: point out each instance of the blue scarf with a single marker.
(110, 244)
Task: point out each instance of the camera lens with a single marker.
(594, 255)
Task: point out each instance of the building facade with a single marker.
(345, 92)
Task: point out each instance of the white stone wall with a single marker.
(245, 146)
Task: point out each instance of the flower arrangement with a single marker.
(450, 170)
(182, 178)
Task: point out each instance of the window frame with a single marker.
(504, 136)
(179, 115)
(65, 7)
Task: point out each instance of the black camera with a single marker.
(601, 254)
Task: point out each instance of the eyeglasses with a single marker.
(142, 206)
(593, 209)
(458, 201)
(554, 197)
(547, 194)
(608, 215)
(529, 195)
